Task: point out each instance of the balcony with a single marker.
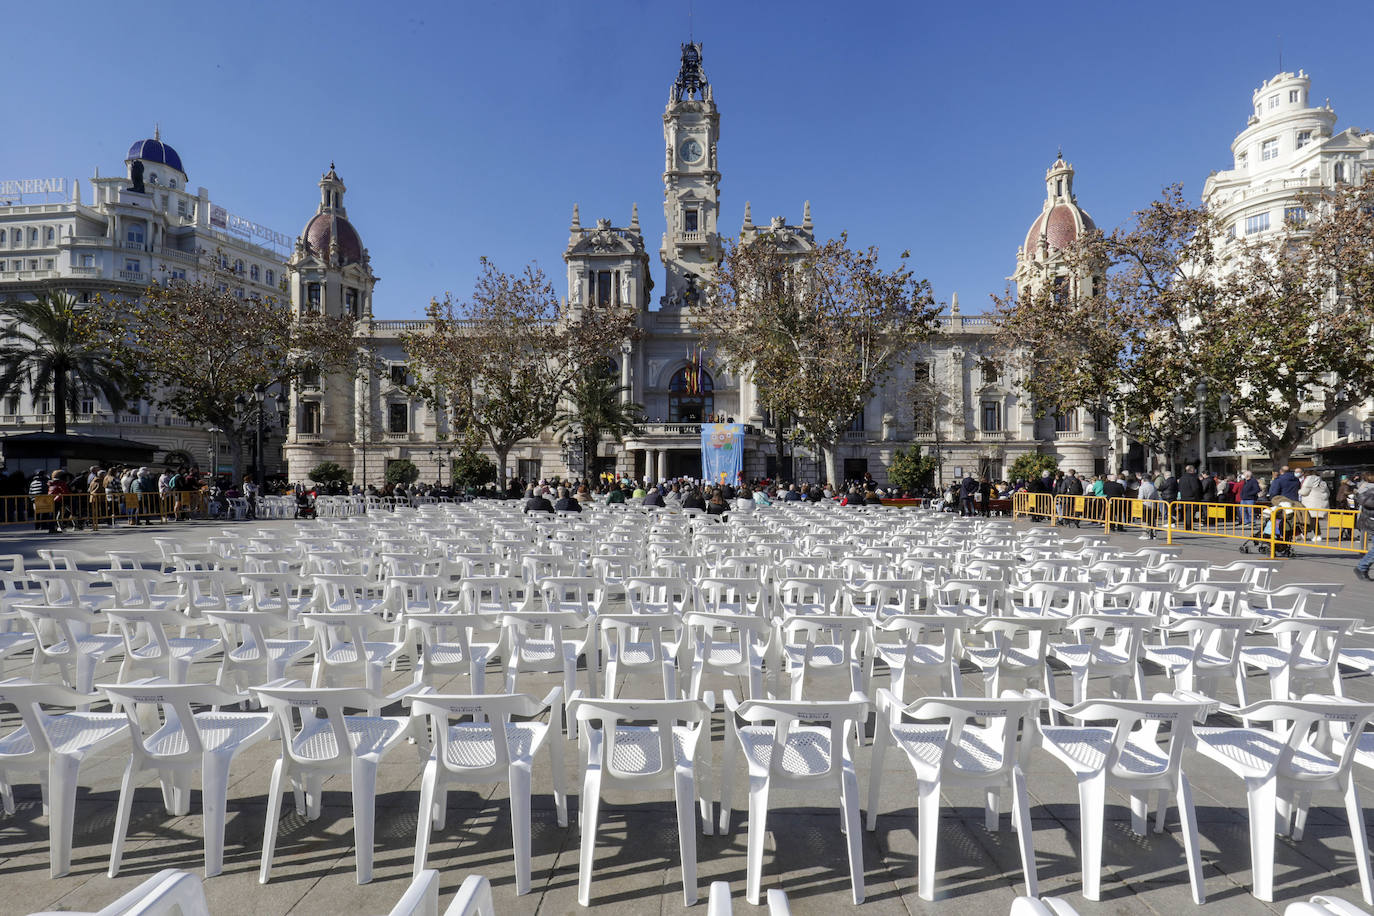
(85, 271)
(693, 238)
(398, 437)
(29, 274)
(132, 276)
(854, 435)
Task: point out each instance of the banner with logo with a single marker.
(722, 452)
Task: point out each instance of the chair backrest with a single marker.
(70, 623)
(658, 594)
(1315, 637)
(1002, 718)
(484, 710)
(735, 595)
(170, 892)
(664, 714)
(332, 701)
(1310, 724)
(584, 595)
(175, 701)
(786, 716)
(29, 698)
(1140, 721)
(490, 594)
(1121, 633)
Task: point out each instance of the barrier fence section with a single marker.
(1275, 530)
(95, 511)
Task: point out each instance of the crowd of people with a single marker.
(97, 497)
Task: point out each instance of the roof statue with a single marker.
(691, 79)
(136, 177)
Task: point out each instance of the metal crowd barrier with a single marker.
(1275, 531)
(95, 511)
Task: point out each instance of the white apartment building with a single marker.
(142, 227)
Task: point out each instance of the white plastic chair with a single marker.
(718, 903)
(813, 644)
(1043, 906)
(473, 899)
(1007, 657)
(642, 757)
(466, 753)
(447, 647)
(1113, 651)
(1127, 755)
(1304, 652)
(928, 646)
(147, 647)
(337, 743)
(958, 752)
(53, 746)
(170, 892)
(541, 642)
(343, 651)
(728, 644)
(183, 742)
(1289, 764)
(63, 638)
(787, 754)
(1213, 652)
(1321, 905)
(251, 657)
(645, 642)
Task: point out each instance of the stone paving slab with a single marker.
(636, 866)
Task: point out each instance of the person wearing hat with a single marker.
(58, 488)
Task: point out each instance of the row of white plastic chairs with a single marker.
(1134, 746)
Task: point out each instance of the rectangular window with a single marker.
(398, 418)
(176, 274)
(923, 418)
(856, 425)
(253, 273)
(181, 208)
(1273, 101)
(528, 469)
(88, 260)
(1304, 138)
(271, 278)
(920, 372)
(312, 297)
(1101, 421)
(1292, 95)
(88, 405)
(992, 417)
(990, 372)
(132, 264)
(351, 302)
(33, 263)
(48, 263)
(1257, 223)
(1338, 171)
(310, 418)
(51, 236)
(602, 293)
(1342, 429)
(12, 405)
(689, 220)
(1294, 216)
(1242, 161)
(135, 234)
(1066, 422)
(44, 406)
(1269, 149)
(310, 377)
(398, 374)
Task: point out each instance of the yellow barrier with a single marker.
(1252, 526)
(95, 511)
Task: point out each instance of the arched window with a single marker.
(690, 403)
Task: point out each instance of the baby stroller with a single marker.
(1280, 520)
(305, 504)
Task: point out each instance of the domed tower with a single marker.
(1061, 222)
(329, 273)
(154, 163)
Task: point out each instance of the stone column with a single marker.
(662, 465)
(650, 462)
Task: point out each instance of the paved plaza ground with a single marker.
(637, 869)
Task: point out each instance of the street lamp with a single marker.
(1202, 424)
(256, 398)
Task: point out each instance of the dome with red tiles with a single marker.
(1059, 226)
(320, 231)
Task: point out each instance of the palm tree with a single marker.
(594, 408)
(48, 342)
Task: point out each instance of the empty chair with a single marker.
(1009, 656)
(333, 744)
(181, 743)
(344, 651)
(447, 648)
(1127, 755)
(648, 642)
(718, 594)
(251, 657)
(147, 647)
(467, 753)
(51, 747)
(1212, 652)
(812, 645)
(657, 753)
(782, 752)
(718, 901)
(958, 752)
(926, 645)
(728, 644)
(1305, 651)
(63, 638)
(170, 892)
(1112, 650)
(1288, 765)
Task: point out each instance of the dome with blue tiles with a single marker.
(155, 150)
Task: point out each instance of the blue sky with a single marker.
(468, 129)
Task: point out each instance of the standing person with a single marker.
(1286, 484)
(57, 489)
(250, 493)
(1316, 499)
(1148, 494)
(1112, 490)
(1249, 493)
(1364, 501)
(1190, 492)
(968, 489)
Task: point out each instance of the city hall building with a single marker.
(973, 420)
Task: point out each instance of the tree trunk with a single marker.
(778, 449)
(1279, 456)
(59, 402)
(501, 454)
(832, 472)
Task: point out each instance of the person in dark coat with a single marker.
(653, 498)
(968, 491)
(1189, 491)
(566, 502)
(693, 500)
(536, 502)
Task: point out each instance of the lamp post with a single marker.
(256, 399)
(1202, 425)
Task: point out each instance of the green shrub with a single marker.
(910, 469)
(402, 471)
(1030, 465)
(330, 472)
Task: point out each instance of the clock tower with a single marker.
(691, 182)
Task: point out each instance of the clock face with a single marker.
(690, 150)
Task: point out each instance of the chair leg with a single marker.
(687, 835)
(853, 831)
(425, 819)
(269, 831)
(62, 773)
(1360, 839)
(520, 825)
(121, 831)
(364, 814)
(1092, 800)
(880, 742)
(1140, 812)
(1188, 818)
(214, 790)
(758, 830)
(1020, 811)
(928, 832)
(590, 804)
(1261, 797)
